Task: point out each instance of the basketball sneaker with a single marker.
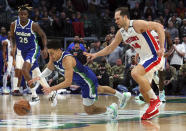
(53, 99)
(147, 116)
(34, 100)
(123, 101)
(152, 111)
(6, 91)
(162, 96)
(113, 110)
(16, 93)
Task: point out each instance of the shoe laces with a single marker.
(52, 97)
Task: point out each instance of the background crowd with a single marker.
(95, 18)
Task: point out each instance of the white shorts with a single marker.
(19, 60)
(151, 65)
(10, 64)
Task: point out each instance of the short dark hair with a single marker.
(123, 11)
(76, 41)
(54, 44)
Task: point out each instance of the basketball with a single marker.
(22, 107)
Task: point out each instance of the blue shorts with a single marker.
(88, 85)
(31, 55)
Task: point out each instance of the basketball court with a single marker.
(69, 115)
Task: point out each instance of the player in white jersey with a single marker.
(8, 62)
(137, 34)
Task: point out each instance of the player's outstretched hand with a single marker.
(89, 55)
(160, 52)
(44, 53)
(46, 90)
(30, 82)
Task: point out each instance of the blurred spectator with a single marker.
(171, 5)
(62, 19)
(175, 20)
(76, 49)
(87, 26)
(102, 74)
(183, 28)
(78, 24)
(68, 28)
(149, 9)
(116, 54)
(117, 74)
(72, 45)
(136, 12)
(182, 80)
(180, 9)
(132, 3)
(184, 44)
(108, 39)
(36, 16)
(85, 44)
(172, 30)
(128, 55)
(78, 53)
(112, 31)
(128, 82)
(2, 6)
(56, 25)
(170, 79)
(160, 7)
(97, 47)
(92, 65)
(149, 18)
(177, 54)
(69, 9)
(166, 16)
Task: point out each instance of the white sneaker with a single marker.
(34, 100)
(113, 110)
(123, 101)
(6, 91)
(162, 96)
(53, 99)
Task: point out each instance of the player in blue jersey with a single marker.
(74, 71)
(23, 35)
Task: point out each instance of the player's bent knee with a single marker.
(100, 89)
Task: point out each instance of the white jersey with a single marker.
(9, 49)
(146, 44)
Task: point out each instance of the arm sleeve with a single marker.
(45, 73)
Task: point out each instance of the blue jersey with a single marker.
(82, 76)
(24, 36)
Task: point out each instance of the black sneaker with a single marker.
(16, 93)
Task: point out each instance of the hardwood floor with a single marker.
(69, 115)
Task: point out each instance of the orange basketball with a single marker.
(22, 107)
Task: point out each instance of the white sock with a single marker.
(151, 94)
(33, 92)
(15, 80)
(118, 94)
(5, 80)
